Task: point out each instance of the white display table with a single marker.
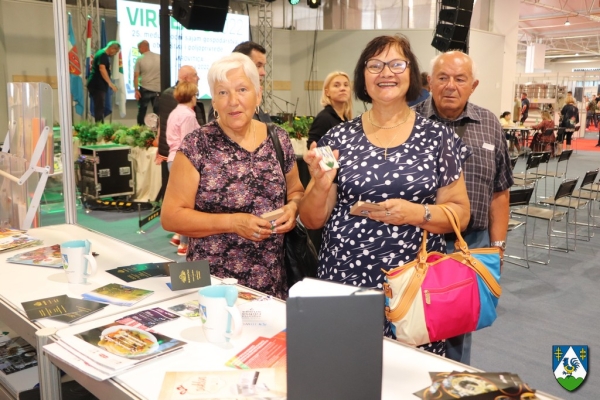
(405, 369)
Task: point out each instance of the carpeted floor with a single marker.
(539, 307)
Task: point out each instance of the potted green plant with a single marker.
(298, 129)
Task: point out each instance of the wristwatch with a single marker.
(499, 243)
(427, 216)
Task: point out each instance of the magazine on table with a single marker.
(47, 256)
(11, 239)
(117, 294)
(114, 348)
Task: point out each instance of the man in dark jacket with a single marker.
(167, 103)
(99, 80)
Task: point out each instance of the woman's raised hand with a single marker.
(322, 179)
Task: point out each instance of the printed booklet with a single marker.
(117, 294)
(48, 256)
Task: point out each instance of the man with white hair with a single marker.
(487, 172)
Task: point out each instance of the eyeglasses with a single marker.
(375, 66)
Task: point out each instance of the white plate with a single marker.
(150, 349)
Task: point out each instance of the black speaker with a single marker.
(446, 44)
(578, 94)
(454, 20)
(451, 31)
(462, 4)
(205, 15)
(455, 16)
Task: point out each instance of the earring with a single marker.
(257, 110)
(215, 114)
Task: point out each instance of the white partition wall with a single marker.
(339, 50)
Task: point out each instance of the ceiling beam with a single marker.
(586, 14)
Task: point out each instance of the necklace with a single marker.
(387, 127)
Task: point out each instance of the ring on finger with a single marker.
(387, 213)
(256, 234)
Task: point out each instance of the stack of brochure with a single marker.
(11, 239)
(108, 350)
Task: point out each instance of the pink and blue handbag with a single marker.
(439, 296)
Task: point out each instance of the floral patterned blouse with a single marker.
(234, 180)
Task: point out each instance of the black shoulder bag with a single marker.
(300, 258)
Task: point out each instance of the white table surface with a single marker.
(405, 370)
(22, 283)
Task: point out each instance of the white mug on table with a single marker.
(221, 320)
(78, 263)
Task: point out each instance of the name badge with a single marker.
(488, 146)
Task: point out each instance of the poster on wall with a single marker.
(140, 21)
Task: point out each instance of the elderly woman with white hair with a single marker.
(225, 176)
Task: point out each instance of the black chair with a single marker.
(528, 177)
(551, 216)
(519, 198)
(558, 172)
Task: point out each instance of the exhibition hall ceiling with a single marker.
(570, 29)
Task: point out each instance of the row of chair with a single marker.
(551, 209)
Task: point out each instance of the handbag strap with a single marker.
(277, 146)
(413, 287)
(473, 262)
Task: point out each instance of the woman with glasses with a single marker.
(389, 155)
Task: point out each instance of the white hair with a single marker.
(219, 69)
(435, 60)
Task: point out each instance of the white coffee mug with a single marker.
(221, 320)
(78, 263)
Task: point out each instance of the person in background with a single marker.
(167, 103)
(488, 173)
(99, 80)
(181, 122)
(516, 110)
(389, 156)
(541, 141)
(424, 90)
(225, 176)
(506, 122)
(258, 55)
(147, 67)
(505, 119)
(590, 115)
(570, 119)
(524, 107)
(337, 100)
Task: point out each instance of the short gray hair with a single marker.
(219, 69)
(435, 60)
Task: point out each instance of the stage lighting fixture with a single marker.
(294, 2)
(314, 3)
